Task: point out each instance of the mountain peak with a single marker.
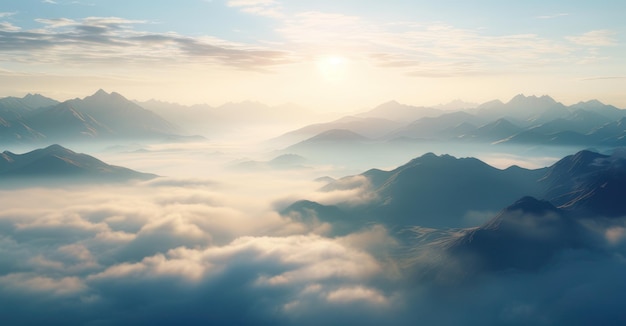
(55, 161)
(100, 92)
(98, 95)
(54, 148)
(522, 99)
(431, 158)
(531, 205)
(33, 96)
(392, 103)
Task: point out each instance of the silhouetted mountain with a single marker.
(63, 165)
(12, 108)
(36, 101)
(493, 131)
(368, 127)
(443, 191)
(595, 106)
(420, 191)
(99, 116)
(610, 134)
(524, 236)
(335, 138)
(121, 116)
(17, 131)
(437, 191)
(588, 183)
(530, 109)
(312, 213)
(436, 127)
(400, 113)
(62, 122)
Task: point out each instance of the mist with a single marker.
(205, 243)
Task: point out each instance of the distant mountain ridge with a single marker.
(563, 210)
(56, 162)
(440, 191)
(229, 117)
(35, 118)
(525, 120)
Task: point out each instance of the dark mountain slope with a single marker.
(523, 236)
(58, 163)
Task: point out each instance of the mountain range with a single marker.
(230, 117)
(444, 191)
(427, 202)
(525, 120)
(57, 163)
(100, 116)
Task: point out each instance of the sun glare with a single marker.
(332, 68)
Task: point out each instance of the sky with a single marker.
(325, 55)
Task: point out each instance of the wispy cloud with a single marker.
(269, 8)
(552, 16)
(109, 39)
(603, 78)
(7, 14)
(602, 37)
(52, 2)
(8, 27)
(421, 49)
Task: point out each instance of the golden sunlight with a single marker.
(333, 68)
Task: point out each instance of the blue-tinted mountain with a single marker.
(100, 116)
(444, 191)
(595, 106)
(437, 191)
(14, 108)
(16, 131)
(62, 122)
(493, 131)
(439, 127)
(122, 117)
(528, 109)
(327, 140)
(420, 192)
(524, 236)
(315, 214)
(588, 183)
(371, 127)
(56, 163)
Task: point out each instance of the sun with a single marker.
(333, 68)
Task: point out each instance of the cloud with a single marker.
(597, 38)
(268, 8)
(422, 49)
(7, 14)
(603, 78)
(8, 27)
(191, 251)
(114, 39)
(552, 16)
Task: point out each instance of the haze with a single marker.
(276, 162)
(323, 55)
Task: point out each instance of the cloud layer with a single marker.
(98, 40)
(191, 251)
